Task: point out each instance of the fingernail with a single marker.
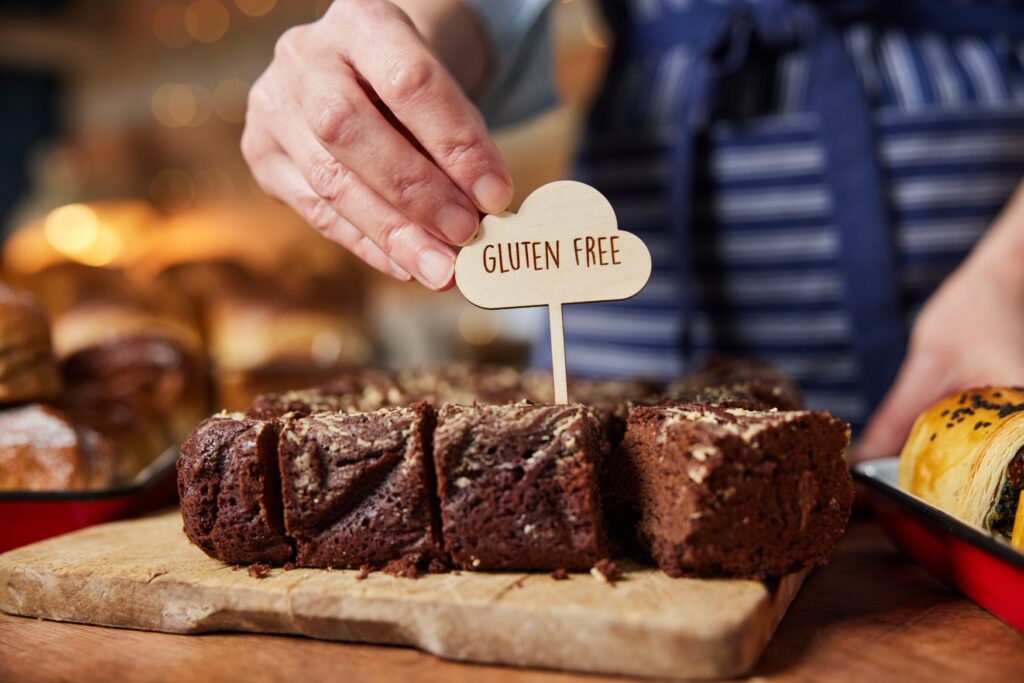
(492, 193)
(436, 268)
(398, 271)
(457, 224)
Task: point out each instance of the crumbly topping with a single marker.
(740, 422)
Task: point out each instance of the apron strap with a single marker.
(859, 203)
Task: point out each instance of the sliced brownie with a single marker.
(357, 488)
(732, 492)
(518, 486)
(352, 392)
(230, 490)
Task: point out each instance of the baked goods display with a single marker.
(359, 473)
(42, 450)
(28, 370)
(965, 455)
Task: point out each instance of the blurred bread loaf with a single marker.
(28, 370)
(41, 449)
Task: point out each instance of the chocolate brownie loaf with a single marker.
(230, 491)
(518, 486)
(357, 488)
(363, 391)
(732, 492)
(737, 384)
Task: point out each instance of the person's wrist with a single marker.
(999, 260)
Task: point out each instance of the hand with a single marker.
(970, 333)
(360, 129)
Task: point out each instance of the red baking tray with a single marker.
(29, 516)
(985, 569)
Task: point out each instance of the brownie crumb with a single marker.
(288, 566)
(560, 575)
(607, 571)
(259, 570)
(406, 567)
(364, 572)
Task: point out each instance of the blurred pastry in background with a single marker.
(28, 370)
(737, 383)
(133, 372)
(41, 449)
(110, 233)
(361, 391)
(63, 286)
(272, 344)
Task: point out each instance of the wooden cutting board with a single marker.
(144, 574)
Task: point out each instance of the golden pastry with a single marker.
(965, 455)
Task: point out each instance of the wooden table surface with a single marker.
(869, 616)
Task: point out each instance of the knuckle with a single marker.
(412, 187)
(412, 79)
(257, 99)
(328, 178)
(393, 236)
(456, 152)
(252, 150)
(333, 118)
(363, 247)
(289, 43)
(316, 212)
(374, 10)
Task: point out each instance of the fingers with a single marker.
(920, 382)
(276, 174)
(344, 121)
(413, 248)
(407, 77)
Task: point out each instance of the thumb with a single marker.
(920, 383)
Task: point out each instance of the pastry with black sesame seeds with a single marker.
(974, 468)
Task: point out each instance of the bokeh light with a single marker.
(71, 229)
(75, 230)
(478, 326)
(169, 25)
(207, 20)
(255, 8)
(174, 105)
(203, 104)
(229, 100)
(326, 347)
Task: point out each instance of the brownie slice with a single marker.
(357, 488)
(364, 391)
(518, 486)
(733, 492)
(230, 491)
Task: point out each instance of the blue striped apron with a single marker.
(719, 44)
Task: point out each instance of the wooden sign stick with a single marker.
(563, 247)
(558, 353)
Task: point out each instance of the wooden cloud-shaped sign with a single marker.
(564, 246)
